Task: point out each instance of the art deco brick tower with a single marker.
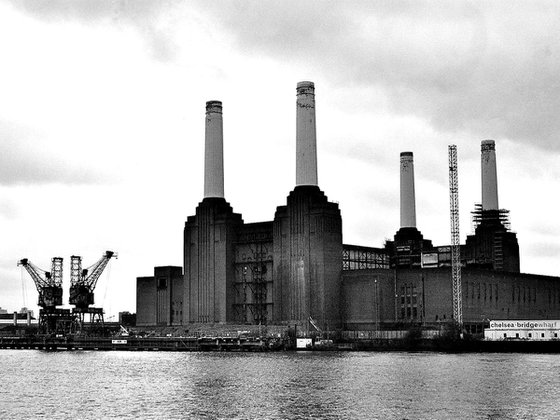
(307, 236)
(408, 245)
(493, 245)
(209, 237)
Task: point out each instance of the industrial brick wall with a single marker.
(169, 286)
(145, 301)
(424, 295)
(368, 298)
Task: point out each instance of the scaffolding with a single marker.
(481, 216)
(363, 258)
(251, 285)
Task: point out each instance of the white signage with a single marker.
(303, 343)
(429, 259)
(544, 324)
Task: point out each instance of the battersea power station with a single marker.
(295, 270)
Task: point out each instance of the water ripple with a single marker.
(303, 385)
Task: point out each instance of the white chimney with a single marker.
(306, 138)
(214, 151)
(489, 176)
(408, 200)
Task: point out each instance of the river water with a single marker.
(286, 385)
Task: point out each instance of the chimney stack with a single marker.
(306, 138)
(214, 151)
(408, 200)
(489, 176)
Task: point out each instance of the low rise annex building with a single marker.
(296, 270)
(523, 330)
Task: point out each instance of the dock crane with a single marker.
(49, 286)
(82, 285)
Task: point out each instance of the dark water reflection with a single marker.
(279, 385)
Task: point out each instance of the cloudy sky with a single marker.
(102, 121)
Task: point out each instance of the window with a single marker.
(505, 335)
(530, 335)
(516, 335)
(409, 302)
(555, 335)
(542, 335)
(162, 283)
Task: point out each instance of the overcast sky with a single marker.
(102, 121)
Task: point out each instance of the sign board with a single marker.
(303, 343)
(526, 325)
(118, 341)
(430, 260)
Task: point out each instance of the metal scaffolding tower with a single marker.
(455, 245)
(252, 284)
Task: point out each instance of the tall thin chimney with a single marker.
(408, 200)
(306, 137)
(489, 176)
(214, 151)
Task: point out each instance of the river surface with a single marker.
(287, 385)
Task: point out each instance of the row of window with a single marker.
(489, 292)
(523, 294)
(530, 335)
(482, 291)
(409, 302)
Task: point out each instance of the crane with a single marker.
(48, 283)
(455, 244)
(49, 286)
(82, 285)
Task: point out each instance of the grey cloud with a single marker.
(545, 230)
(485, 68)
(388, 199)
(542, 250)
(146, 16)
(22, 162)
(8, 210)
(34, 170)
